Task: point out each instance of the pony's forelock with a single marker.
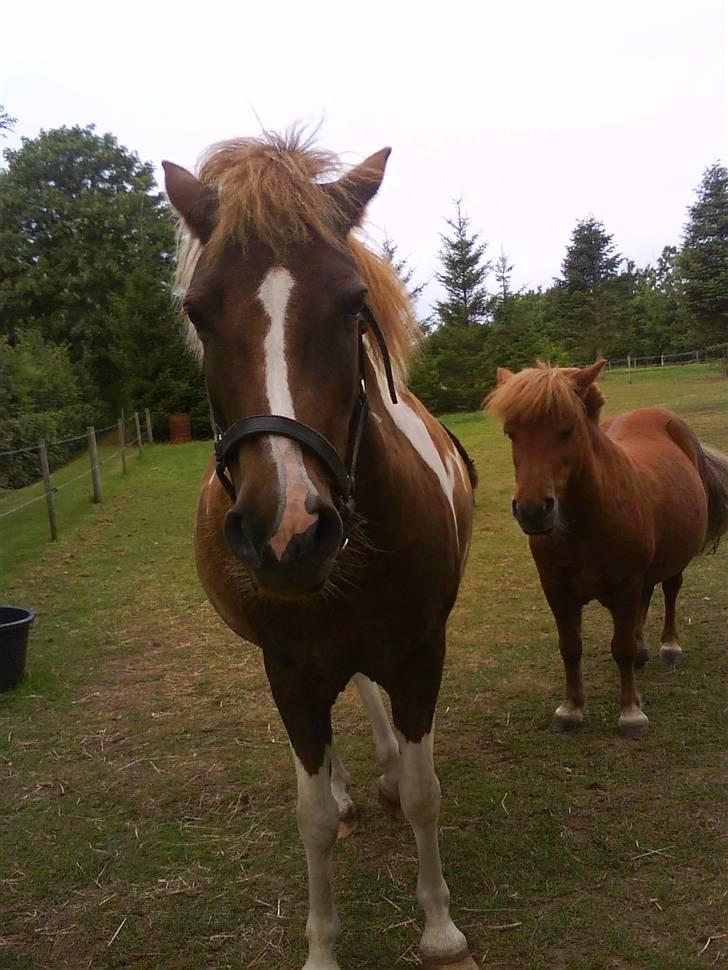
(543, 393)
(281, 190)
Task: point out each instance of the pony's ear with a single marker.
(502, 375)
(585, 377)
(357, 188)
(196, 202)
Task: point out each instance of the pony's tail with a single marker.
(716, 486)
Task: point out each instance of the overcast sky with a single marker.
(537, 113)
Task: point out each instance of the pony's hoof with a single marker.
(671, 653)
(348, 823)
(566, 719)
(634, 725)
(641, 659)
(461, 963)
(390, 806)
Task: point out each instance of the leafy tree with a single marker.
(589, 271)
(6, 122)
(463, 274)
(86, 249)
(40, 397)
(704, 257)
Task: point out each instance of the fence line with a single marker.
(49, 489)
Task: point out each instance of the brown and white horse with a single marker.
(611, 510)
(301, 328)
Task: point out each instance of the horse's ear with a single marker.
(357, 188)
(196, 202)
(585, 377)
(502, 375)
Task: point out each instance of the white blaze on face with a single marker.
(294, 485)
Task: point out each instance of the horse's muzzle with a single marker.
(301, 568)
(536, 518)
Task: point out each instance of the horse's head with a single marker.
(547, 413)
(274, 295)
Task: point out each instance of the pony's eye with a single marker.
(509, 434)
(566, 434)
(352, 305)
(194, 316)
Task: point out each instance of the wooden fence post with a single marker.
(150, 433)
(122, 443)
(139, 442)
(94, 456)
(48, 489)
(629, 369)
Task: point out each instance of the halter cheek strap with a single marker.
(342, 473)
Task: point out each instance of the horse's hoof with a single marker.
(671, 653)
(634, 726)
(461, 963)
(348, 823)
(566, 720)
(390, 806)
(641, 659)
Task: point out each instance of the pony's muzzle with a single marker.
(536, 518)
(305, 562)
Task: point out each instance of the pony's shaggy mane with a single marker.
(541, 393)
(282, 191)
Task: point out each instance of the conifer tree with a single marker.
(703, 260)
(463, 274)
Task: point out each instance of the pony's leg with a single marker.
(670, 649)
(643, 654)
(442, 944)
(340, 787)
(309, 730)
(570, 714)
(385, 743)
(626, 612)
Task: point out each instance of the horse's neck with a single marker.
(604, 465)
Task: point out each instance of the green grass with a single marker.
(145, 776)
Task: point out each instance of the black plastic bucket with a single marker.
(15, 623)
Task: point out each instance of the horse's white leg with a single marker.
(442, 942)
(385, 741)
(340, 785)
(318, 821)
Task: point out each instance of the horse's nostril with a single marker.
(239, 540)
(514, 507)
(548, 503)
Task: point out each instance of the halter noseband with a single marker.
(341, 473)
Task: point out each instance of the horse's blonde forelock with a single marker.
(281, 190)
(542, 392)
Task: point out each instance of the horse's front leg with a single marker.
(307, 717)
(626, 610)
(413, 704)
(567, 614)
(385, 743)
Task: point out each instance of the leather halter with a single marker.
(342, 473)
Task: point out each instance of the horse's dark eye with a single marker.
(352, 305)
(509, 434)
(194, 316)
(566, 434)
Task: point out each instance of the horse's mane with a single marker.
(282, 191)
(541, 393)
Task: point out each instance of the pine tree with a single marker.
(703, 260)
(589, 272)
(6, 122)
(463, 275)
(403, 269)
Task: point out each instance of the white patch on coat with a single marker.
(294, 484)
(415, 430)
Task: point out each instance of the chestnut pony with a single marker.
(611, 510)
(332, 540)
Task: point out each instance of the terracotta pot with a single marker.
(180, 430)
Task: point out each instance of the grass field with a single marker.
(146, 791)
